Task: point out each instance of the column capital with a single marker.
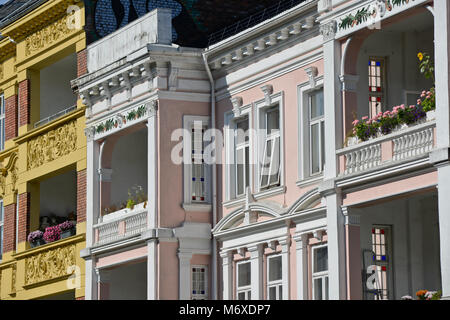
(152, 108)
(349, 82)
(105, 174)
(350, 219)
(328, 30)
(255, 251)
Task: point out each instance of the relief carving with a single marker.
(49, 264)
(52, 145)
(47, 36)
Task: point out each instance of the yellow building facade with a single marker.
(43, 161)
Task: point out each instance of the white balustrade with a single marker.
(363, 159)
(122, 226)
(414, 144)
(407, 143)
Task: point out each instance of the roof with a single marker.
(15, 9)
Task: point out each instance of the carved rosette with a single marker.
(47, 36)
(52, 145)
(50, 264)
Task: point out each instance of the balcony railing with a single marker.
(406, 143)
(54, 116)
(124, 224)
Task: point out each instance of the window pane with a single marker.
(240, 171)
(315, 147)
(320, 259)
(247, 166)
(326, 288)
(242, 131)
(280, 292)
(241, 296)
(265, 167)
(273, 293)
(244, 274)
(274, 268)
(322, 144)
(273, 121)
(318, 289)
(1, 211)
(316, 104)
(275, 163)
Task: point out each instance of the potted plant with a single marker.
(35, 238)
(52, 234)
(67, 229)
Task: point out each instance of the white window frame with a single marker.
(383, 93)
(230, 150)
(276, 99)
(319, 275)
(189, 204)
(278, 284)
(199, 296)
(311, 122)
(2, 217)
(247, 290)
(304, 149)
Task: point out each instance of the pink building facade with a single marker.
(277, 200)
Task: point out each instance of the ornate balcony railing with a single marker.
(123, 225)
(55, 116)
(401, 145)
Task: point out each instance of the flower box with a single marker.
(68, 233)
(37, 243)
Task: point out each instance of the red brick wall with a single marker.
(81, 196)
(9, 227)
(81, 63)
(24, 216)
(24, 102)
(11, 117)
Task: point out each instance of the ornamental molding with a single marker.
(312, 73)
(328, 30)
(52, 145)
(47, 36)
(49, 264)
(261, 42)
(123, 119)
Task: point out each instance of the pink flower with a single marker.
(428, 93)
(412, 107)
(355, 122)
(419, 101)
(364, 118)
(402, 107)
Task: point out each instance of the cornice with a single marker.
(45, 14)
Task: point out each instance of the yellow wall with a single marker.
(43, 37)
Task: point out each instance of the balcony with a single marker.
(406, 144)
(120, 225)
(47, 265)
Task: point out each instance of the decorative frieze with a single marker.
(47, 36)
(328, 30)
(52, 145)
(50, 264)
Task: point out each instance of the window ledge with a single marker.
(234, 202)
(270, 192)
(309, 180)
(197, 207)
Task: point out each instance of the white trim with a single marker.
(247, 289)
(188, 122)
(277, 284)
(303, 91)
(319, 275)
(230, 119)
(197, 207)
(276, 99)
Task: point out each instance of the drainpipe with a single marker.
(99, 171)
(214, 179)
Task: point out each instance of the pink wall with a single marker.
(122, 257)
(287, 83)
(168, 273)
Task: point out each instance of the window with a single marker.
(242, 156)
(316, 132)
(1, 228)
(199, 283)
(377, 85)
(270, 164)
(196, 171)
(381, 250)
(2, 122)
(320, 272)
(243, 281)
(274, 278)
